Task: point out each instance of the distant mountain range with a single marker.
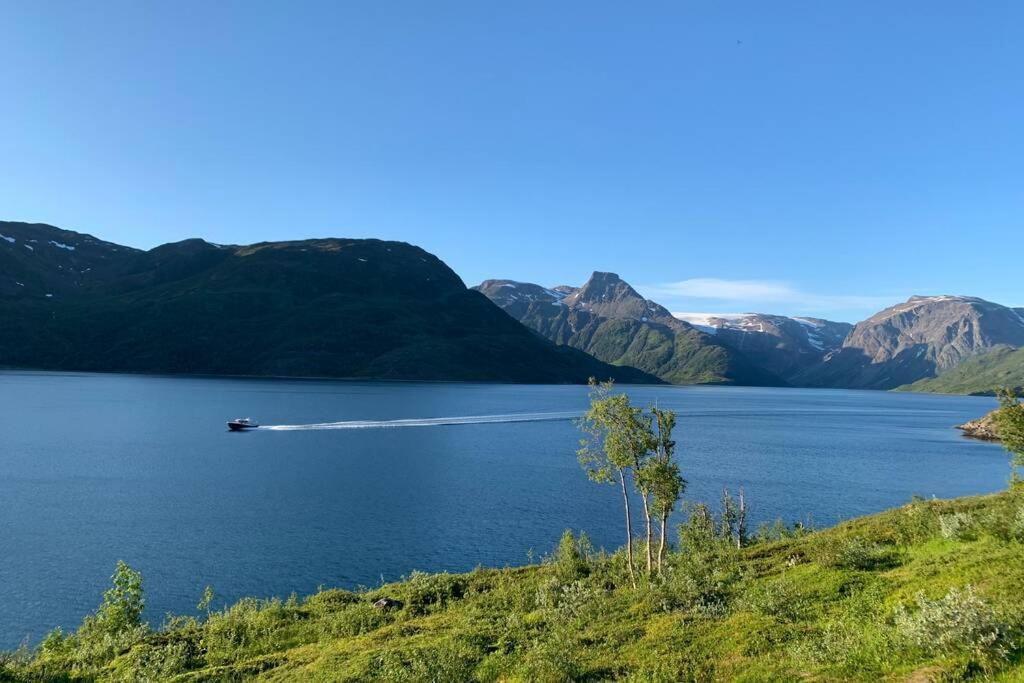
(934, 343)
(609, 320)
(924, 337)
(374, 309)
(782, 345)
(325, 307)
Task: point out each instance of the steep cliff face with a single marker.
(920, 338)
(610, 320)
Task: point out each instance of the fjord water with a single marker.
(96, 468)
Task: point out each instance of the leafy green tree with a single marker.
(645, 479)
(1009, 420)
(617, 441)
(663, 476)
(572, 557)
(123, 602)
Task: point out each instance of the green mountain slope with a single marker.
(326, 307)
(1002, 366)
(926, 592)
(609, 320)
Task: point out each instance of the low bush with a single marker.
(957, 526)
(426, 592)
(854, 553)
(961, 621)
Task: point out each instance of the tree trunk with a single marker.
(629, 528)
(661, 546)
(650, 538)
(741, 522)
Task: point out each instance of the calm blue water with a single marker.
(96, 468)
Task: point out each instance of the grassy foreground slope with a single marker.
(1001, 367)
(929, 591)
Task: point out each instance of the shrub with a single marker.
(114, 628)
(425, 592)
(451, 659)
(1017, 527)
(250, 626)
(572, 559)
(332, 600)
(854, 553)
(563, 601)
(147, 662)
(355, 619)
(959, 622)
(778, 599)
(957, 525)
(919, 521)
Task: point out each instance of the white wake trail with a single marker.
(426, 422)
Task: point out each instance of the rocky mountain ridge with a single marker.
(920, 338)
(784, 345)
(610, 320)
(916, 341)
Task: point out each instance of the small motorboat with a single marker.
(242, 424)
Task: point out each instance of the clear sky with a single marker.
(794, 157)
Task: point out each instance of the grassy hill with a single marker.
(1003, 366)
(929, 591)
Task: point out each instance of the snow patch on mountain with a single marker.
(708, 322)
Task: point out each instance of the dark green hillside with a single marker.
(330, 307)
(1001, 367)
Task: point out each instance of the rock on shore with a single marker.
(982, 428)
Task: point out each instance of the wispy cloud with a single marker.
(764, 292)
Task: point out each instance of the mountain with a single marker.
(320, 307)
(781, 345)
(915, 340)
(1003, 366)
(609, 320)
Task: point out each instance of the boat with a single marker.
(242, 424)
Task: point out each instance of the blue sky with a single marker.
(792, 157)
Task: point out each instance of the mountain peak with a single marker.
(609, 296)
(604, 288)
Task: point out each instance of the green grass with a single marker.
(1003, 366)
(928, 591)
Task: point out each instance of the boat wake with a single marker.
(425, 422)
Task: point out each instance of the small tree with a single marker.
(645, 478)
(730, 515)
(741, 521)
(123, 602)
(617, 439)
(572, 557)
(204, 602)
(663, 476)
(1009, 421)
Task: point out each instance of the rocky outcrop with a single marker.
(982, 428)
(917, 339)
